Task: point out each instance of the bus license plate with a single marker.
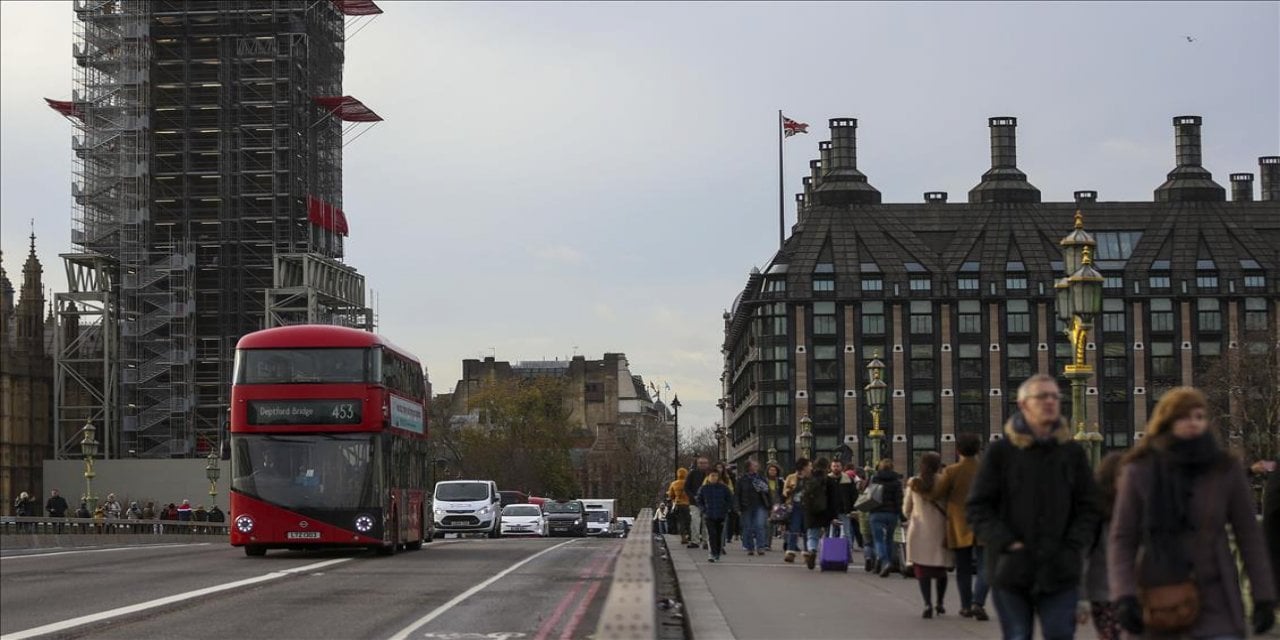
(304, 535)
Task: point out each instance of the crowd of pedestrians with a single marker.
(110, 516)
(1150, 543)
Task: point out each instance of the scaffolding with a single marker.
(200, 157)
(310, 289)
(85, 354)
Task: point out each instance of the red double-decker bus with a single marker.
(328, 442)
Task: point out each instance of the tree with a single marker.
(1247, 377)
(700, 443)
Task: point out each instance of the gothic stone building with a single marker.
(958, 301)
(26, 386)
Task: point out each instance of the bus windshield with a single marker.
(306, 471)
(294, 366)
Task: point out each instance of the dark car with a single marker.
(565, 518)
(512, 497)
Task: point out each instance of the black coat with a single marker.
(823, 511)
(892, 497)
(57, 506)
(1271, 521)
(693, 482)
(1040, 493)
(748, 498)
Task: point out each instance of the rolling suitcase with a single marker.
(900, 553)
(833, 554)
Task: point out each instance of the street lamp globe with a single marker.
(211, 470)
(1086, 288)
(1062, 287)
(876, 390)
(89, 445)
(1074, 244)
(804, 441)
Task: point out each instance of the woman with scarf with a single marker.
(1177, 492)
(773, 477)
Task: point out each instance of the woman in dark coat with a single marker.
(1177, 493)
(821, 497)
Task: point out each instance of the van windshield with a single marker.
(462, 491)
(562, 507)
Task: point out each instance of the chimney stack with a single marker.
(935, 197)
(1086, 196)
(1242, 187)
(1003, 182)
(807, 181)
(842, 183)
(1189, 181)
(799, 208)
(1269, 169)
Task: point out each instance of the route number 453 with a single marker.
(344, 411)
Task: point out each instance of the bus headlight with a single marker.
(364, 523)
(244, 524)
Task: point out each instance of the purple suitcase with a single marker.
(833, 554)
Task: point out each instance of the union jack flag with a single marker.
(791, 127)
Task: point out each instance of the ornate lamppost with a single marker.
(804, 441)
(89, 449)
(675, 444)
(875, 391)
(1079, 302)
(722, 443)
(773, 455)
(212, 472)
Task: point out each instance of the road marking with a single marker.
(165, 601)
(444, 608)
(581, 611)
(544, 631)
(141, 546)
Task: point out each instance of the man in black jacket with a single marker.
(1034, 506)
(692, 483)
(57, 507)
(754, 502)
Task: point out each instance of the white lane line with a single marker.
(444, 608)
(131, 548)
(165, 601)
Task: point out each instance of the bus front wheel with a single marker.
(253, 550)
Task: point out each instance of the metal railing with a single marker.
(630, 611)
(14, 525)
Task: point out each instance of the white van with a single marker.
(467, 506)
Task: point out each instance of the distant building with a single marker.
(958, 301)
(609, 406)
(26, 385)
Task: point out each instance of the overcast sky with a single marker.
(554, 178)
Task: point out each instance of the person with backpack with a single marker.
(715, 501)
(754, 504)
(793, 493)
(927, 550)
(821, 508)
(885, 516)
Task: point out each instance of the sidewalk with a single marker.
(763, 598)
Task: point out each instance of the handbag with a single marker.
(780, 513)
(871, 498)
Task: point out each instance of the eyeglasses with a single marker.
(1047, 395)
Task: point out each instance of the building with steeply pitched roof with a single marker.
(958, 300)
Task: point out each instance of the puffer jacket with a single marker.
(715, 500)
(892, 498)
(1039, 492)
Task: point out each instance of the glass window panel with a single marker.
(872, 284)
(1161, 348)
(873, 306)
(971, 265)
(825, 397)
(921, 324)
(970, 351)
(1113, 304)
(1161, 304)
(922, 396)
(1208, 304)
(921, 351)
(1159, 282)
(921, 306)
(824, 284)
(1114, 350)
(824, 352)
(1019, 350)
(1017, 306)
(969, 306)
(824, 308)
(1210, 348)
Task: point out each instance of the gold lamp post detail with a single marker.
(773, 455)
(804, 441)
(875, 391)
(89, 449)
(212, 472)
(1079, 301)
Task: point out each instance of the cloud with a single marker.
(557, 253)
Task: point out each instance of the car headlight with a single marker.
(364, 524)
(244, 524)
(485, 510)
(439, 512)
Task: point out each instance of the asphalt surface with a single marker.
(549, 588)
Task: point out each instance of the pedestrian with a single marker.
(1178, 490)
(731, 518)
(82, 512)
(680, 506)
(184, 513)
(56, 506)
(846, 495)
(216, 515)
(134, 512)
(821, 506)
(112, 507)
(952, 489)
(149, 514)
(855, 526)
(885, 517)
(1095, 598)
(714, 501)
(100, 518)
(1034, 506)
(754, 502)
(692, 484)
(793, 492)
(927, 550)
(660, 517)
(773, 476)
(24, 507)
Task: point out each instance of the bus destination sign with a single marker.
(304, 412)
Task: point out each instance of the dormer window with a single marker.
(775, 285)
(824, 284)
(921, 284)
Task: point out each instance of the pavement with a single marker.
(452, 589)
(762, 598)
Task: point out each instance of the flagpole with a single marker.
(782, 224)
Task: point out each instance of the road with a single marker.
(452, 589)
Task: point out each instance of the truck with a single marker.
(600, 515)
